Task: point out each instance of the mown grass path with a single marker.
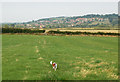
(27, 57)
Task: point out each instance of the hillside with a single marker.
(91, 20)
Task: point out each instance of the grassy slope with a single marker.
(28, 56)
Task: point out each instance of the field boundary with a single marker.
(58, 34)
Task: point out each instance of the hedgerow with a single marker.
(79, 33)
(18, 30)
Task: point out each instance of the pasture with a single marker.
(27, 57)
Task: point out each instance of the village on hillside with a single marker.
(87, 21)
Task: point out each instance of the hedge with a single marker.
(84, 33)
(18, 30)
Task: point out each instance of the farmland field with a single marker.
(27, 57)
(93, 31)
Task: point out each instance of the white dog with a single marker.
(54, 65)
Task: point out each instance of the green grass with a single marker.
(27, 57)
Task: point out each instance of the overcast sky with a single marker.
(27, 11)
(59, 0)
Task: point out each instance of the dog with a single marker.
(54, 65)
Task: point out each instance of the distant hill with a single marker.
(91, 20)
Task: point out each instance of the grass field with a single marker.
(27, 57)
